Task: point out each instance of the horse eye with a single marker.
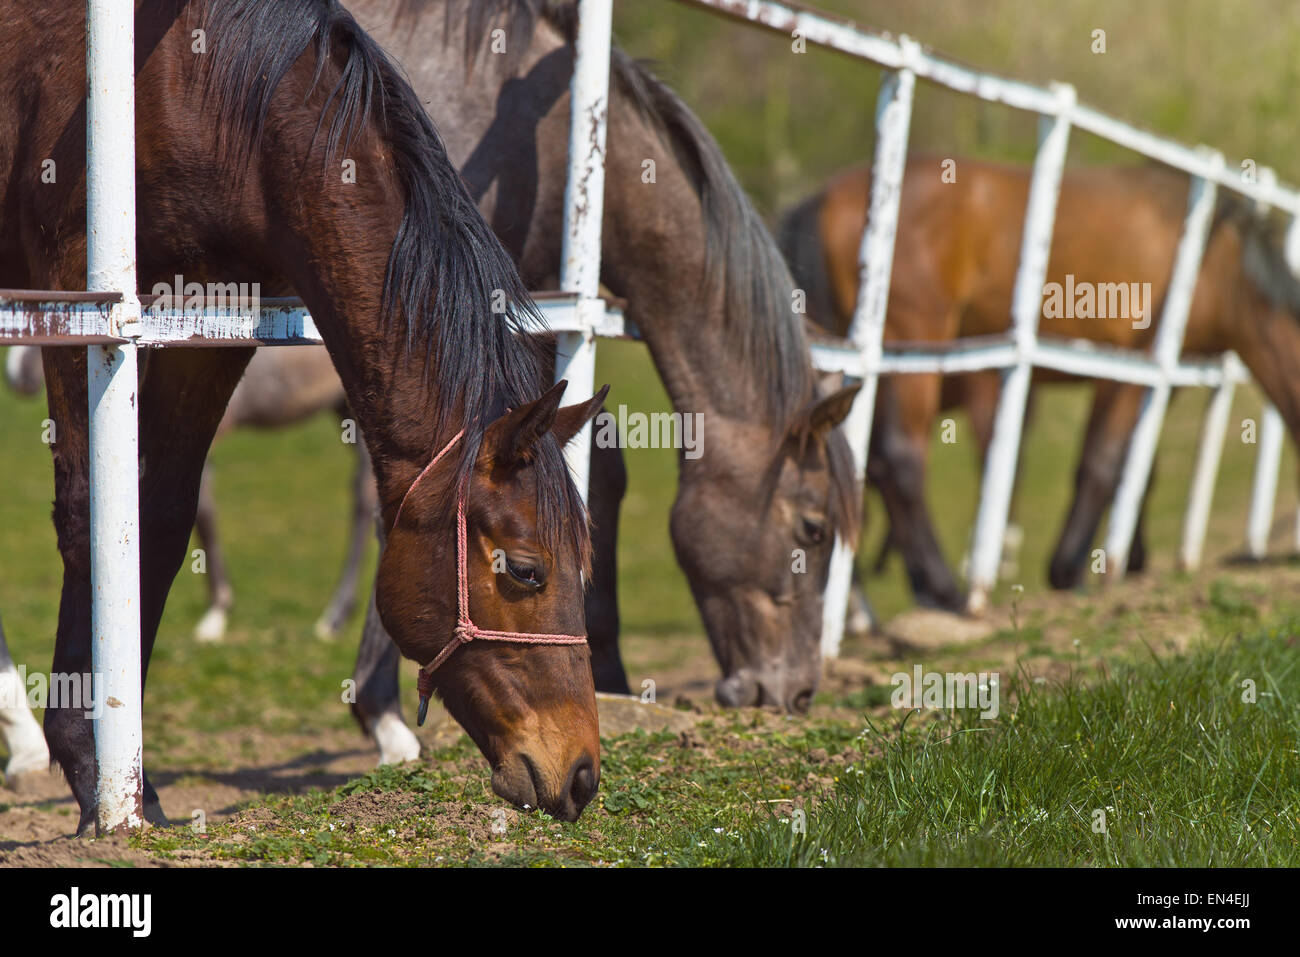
(814, 532)
(525, 573)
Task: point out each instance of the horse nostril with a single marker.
(802, 701)
(583, 788)
(736, 691)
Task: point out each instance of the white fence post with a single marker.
(875, 264)
(111, 379)
(584, 205)
(1035, 249)
(1263, 496)
(1169, 343)
(1208, 453)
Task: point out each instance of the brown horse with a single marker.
(238, 177)
(280, 388)
(955, 261)
(706, 287)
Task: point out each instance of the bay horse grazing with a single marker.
(238, 175)
(280, 388)
(756, 514)
(955, 261)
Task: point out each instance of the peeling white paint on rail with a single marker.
(281, 322)
(1127, 505)
(1026, 308)
(866, 331)
(112, 384)
(584, 205)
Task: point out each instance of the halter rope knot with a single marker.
(465, 630)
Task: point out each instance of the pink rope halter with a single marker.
(465, 630)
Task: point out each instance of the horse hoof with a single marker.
(153, 814)
(212, 626)
(27, 769)
(857, 625)
(397, 742)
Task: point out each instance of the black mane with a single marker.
(446, 265)
(742, 257)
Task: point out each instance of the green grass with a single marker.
(1186, 770)
(1196, 70)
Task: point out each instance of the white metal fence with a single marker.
(1017, 353)
(108, 319)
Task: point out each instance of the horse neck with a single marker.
(655, 251)
(339, 272)
(654, 236)
(331, 241)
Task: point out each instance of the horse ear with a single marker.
(570, 419)
(509, 441)
(824, 414)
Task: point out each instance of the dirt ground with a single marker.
(1056, 633)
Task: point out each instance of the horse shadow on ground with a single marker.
(295, 775)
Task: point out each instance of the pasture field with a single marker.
(1126, 699)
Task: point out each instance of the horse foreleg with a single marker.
(1114, 415)
(608, 486)
(979, 393)
(1137, 551)
(28, 753)
(365, 502)
(221, 596)
(70, 736)
(176, 425)
(377, 707)
(896, 465)
(861, 618)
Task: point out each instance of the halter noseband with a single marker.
(465, 630)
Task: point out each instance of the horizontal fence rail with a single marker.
(1021, 351)
(49, 318)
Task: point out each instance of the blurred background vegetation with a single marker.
(1222, 73)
